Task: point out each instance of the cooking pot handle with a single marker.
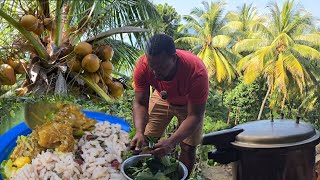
(223, 156)
(221, 138)
(224, 152)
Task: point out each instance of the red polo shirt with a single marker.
(190, 83)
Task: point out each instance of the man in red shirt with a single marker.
(181, 85)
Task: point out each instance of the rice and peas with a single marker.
(96, 155)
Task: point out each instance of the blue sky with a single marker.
(184, 7)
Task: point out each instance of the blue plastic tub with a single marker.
(8, 139)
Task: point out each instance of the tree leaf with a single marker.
(125, 29)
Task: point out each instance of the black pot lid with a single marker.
(275, 134)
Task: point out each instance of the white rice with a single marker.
(108, 144)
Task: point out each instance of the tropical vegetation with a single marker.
(261, 66)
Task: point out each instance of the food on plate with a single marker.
(52, 151)
(56, 135)
(72, 115)
(27, 146)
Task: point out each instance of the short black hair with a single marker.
(159, 43)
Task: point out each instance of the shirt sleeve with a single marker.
(199, 90)
(140, 77)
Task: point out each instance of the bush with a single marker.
(244, 101)
(209, 125)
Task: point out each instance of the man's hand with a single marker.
(138, 141)
(163, 148)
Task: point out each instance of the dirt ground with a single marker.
(223, 172)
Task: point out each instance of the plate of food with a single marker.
(74, 144)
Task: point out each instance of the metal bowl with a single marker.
(132, 161)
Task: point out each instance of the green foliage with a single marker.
(210, 125)
(215, 108)
(208, 41)
(11, 110)
(170, 20)
(244, 101)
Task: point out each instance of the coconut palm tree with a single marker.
(283, 53)
(96, 22)
(208, 41)
(243, 22)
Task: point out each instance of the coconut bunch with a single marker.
(13, 66)
(37, 26)
(94, 63)
(10, 69)
(91, 62)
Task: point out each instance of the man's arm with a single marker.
(140, 110)
(187, 127)
(140, 118)
(190, 124)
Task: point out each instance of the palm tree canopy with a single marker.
(208, 42)
(283, 49)
(242, 23)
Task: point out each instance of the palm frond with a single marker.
(281, 78)
(312, 39)
(249, 45)
(252, 70)
(221, 41)
(293, 65)
(233, 26)
(232, 16)
(124, 57)
(206, 54)
(260, 27)
(221, 69)
(190, 40)
(192, 24)
(228, 67)
(231, 56)
(243, 62)
(298, 22)
(125, 29)
(306, 51)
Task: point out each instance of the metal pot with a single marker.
(267, 150)
(132, 161)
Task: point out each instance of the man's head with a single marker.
(161, 55)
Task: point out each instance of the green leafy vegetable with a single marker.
(153, 168)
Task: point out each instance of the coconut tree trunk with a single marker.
(264, 102)
(43, 54)
(283, 101)
(237, 116)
